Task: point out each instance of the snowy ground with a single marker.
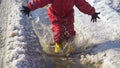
(3, 22)
(101, 39)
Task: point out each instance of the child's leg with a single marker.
(63, 32)
(70, 34)
(58, 32)
(69, 31)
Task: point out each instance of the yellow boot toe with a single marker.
(57, 48)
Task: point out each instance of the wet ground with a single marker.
(60, 62)
(66, 63)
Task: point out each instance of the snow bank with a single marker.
(22, 45)
(15, 39)
(3, 17)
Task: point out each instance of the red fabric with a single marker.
(63, 32)
(61, 14)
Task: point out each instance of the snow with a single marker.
(104, 34)
(101, 38)
(21, 41)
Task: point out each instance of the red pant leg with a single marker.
(61, 26)
(63, 32)
(69, 31)
(58, 32)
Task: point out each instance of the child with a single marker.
(61, 15)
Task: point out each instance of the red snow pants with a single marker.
(63, 28)
(63, 32)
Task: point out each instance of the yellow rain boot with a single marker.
(58, 48)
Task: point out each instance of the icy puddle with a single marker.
(66, 63)
(57, 62)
